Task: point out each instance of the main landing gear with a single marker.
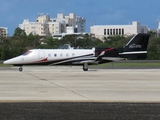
(20, 69)
(85, 66)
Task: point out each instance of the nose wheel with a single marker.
(20, 69)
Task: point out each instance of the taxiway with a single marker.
(64, 83)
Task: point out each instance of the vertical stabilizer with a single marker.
(138, 43)
(136, 48)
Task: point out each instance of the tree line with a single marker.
(20, 43)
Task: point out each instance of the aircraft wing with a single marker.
(86, 61)
(79, 60)
(112, 59)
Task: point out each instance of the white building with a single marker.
(3, 31)
(69, 31)
(101, 31)
(46, 26)
(72, 20)
(158, 30)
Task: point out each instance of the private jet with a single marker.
(136, 48)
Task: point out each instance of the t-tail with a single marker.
(136, 48)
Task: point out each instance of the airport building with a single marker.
(3, 31)
(100, 31)
(46, 26)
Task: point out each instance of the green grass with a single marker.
(4, 65)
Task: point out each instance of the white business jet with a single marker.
(136, 48)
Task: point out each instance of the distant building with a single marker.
(3, 31)
(158, 30)
(69, 31)
(73, 21)
(46, 26)
(100, 31)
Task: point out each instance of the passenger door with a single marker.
(41, 54)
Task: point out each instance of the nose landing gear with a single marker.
(20, 69)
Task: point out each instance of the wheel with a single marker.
(85, 69)
(20, 69)
(85, 66)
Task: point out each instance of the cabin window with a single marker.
(67, 55)
(73, 54)
(49, 55)
(61, 55)
(55, 55)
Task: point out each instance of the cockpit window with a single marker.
(27, 53)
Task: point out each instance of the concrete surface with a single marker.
(64, 83)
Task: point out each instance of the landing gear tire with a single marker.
(20, 69)
(85, 66)
(85, 69)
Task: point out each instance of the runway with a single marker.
(65, 83)
(64, 92)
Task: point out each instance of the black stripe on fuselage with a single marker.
(56, 61)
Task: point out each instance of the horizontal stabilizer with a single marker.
(134, 52)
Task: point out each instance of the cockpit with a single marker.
(27, 53)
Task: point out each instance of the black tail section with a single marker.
(138, 43)
(136, 48)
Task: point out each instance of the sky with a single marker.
(99, 12)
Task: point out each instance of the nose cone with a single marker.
(12, 61)
(5, 62)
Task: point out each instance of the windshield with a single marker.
(27, 53)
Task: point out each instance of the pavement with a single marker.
(66, 83)
(69, 93)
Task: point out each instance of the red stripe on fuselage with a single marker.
(109, 49)
(44, 60)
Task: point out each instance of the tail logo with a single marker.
(135, 46)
